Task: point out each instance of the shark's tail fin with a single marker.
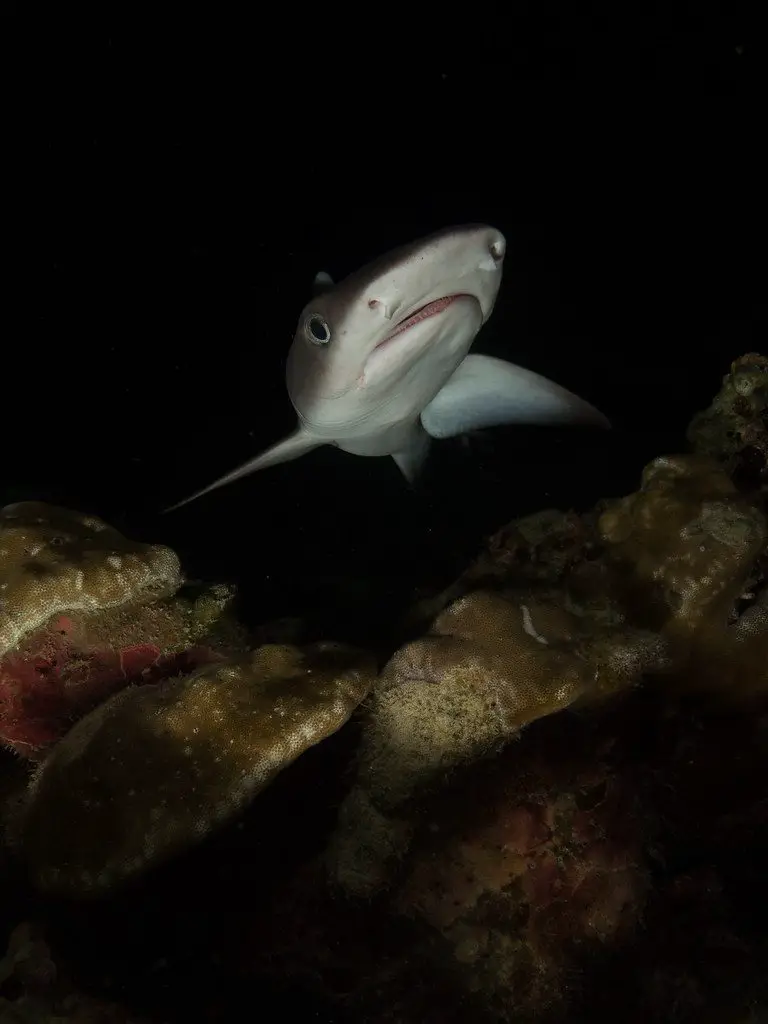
(290, 447)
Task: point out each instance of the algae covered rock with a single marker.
(522, 873)
(53, 560)
(533, 862)
(541, 551)
(734, 429)
(654, 582)
(38, 992)
(684, 545)
(490, 665)
(83, 613)
(154, 769)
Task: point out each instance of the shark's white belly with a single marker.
(391, 412)
(382, 442)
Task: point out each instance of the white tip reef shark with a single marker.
(380, 362)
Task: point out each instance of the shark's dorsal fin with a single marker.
(322, 283)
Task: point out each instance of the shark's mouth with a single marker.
(423, 313)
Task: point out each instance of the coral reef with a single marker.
(527, 866)
(536, 856)
(156, 768)
(66, 668)
(44, 995)
(560, 611)
(676, 559)
(490, 665)
(83, 613)
(556, 809)
(604, 867)
(688, 553)
(75, 624)
(53, 560)
(684, 544)
(734, 429)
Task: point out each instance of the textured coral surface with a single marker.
(550, 805)
(54, 560)
(155, 768)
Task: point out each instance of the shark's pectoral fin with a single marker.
(488, 392)
(412, 456)
(291, 447)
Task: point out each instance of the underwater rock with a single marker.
(490, 665)
(66, 668)
(683, 546)
(689, 552)
(547, 550)
(525, 873)
(663, 580)
(27, 959)
(501, 881)
(53, 560)
(85, 612)
(551, 547)
(734, 429)
(42, 993)
(156, 768)
(530, 864)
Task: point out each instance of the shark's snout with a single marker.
(493, 256)
(498, 249)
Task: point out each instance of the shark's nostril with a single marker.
(497, 249)
(381, 307)
(494, 255)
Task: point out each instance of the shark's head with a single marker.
(396, 327)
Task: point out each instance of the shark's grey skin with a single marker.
(379, 363)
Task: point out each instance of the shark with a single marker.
(380, 362)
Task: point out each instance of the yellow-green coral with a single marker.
(489, 665)
(669, 564)
(54, 560)
(156, 768)
(690, 549)
(734, 429)
(684, 544)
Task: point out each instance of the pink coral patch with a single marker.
(43, 695)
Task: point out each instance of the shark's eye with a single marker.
(317, 330)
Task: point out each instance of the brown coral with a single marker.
(674, 559)
(84, 612)
(537, 854)
(43, 994)
(489, 666)
(521, 875)
(53, 560)
(734, 429)
(157, 767)
(684, 546)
